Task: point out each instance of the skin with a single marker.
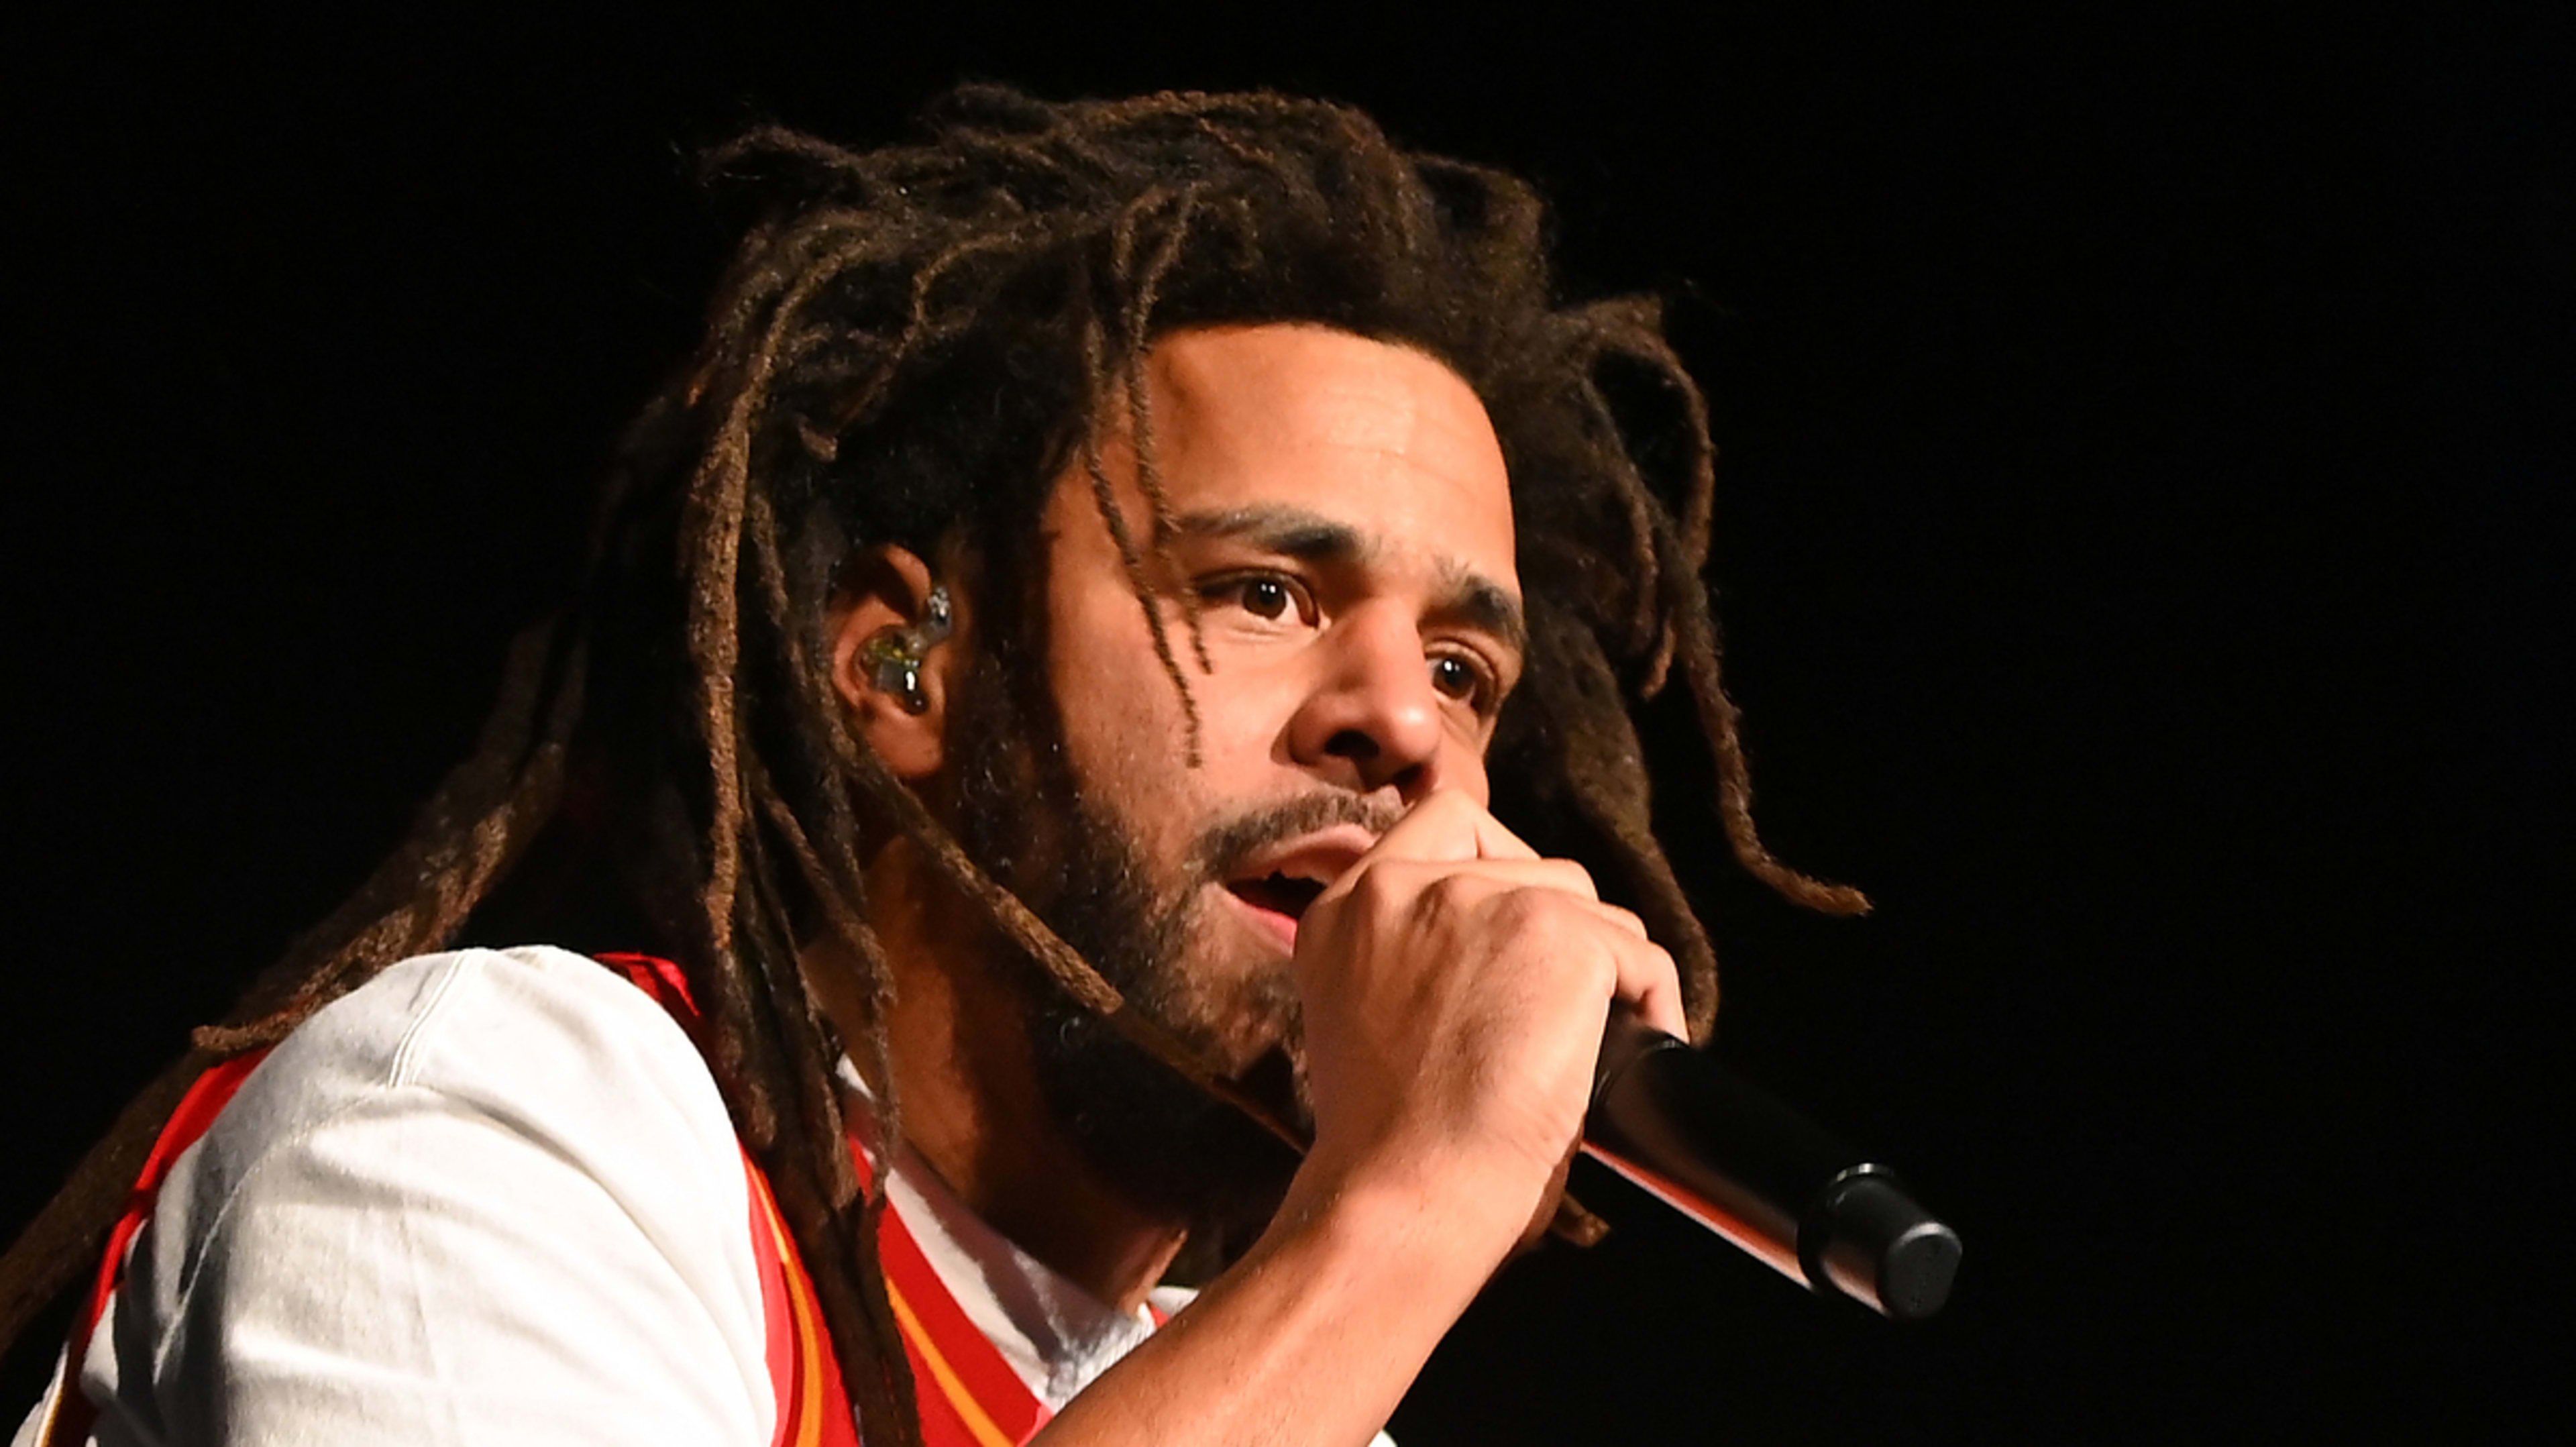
(1346, 529)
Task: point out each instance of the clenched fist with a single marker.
(1455, 986)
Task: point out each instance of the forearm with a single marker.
(1312, 1338)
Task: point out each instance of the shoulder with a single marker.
(471, 1019)
(487, 1177)
(533, 1031)
(534, 1055)
(535, 1041)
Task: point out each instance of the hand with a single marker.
(1455, 987)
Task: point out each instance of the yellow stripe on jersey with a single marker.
(969, 1410)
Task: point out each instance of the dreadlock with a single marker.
(910, 345)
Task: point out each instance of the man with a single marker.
(1133, 559)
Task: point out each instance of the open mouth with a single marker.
(1277, 893)
(1276, 875)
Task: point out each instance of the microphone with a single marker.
(1729, 1156)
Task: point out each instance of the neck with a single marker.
(968, 1093)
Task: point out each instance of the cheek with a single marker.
(1100, 654)
(1238, 998)
(1468, 776)
(1124, 727)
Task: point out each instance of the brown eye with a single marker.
(1265, 597)
(1268, 597)
(1455, 677)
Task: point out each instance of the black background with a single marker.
(2142, 511)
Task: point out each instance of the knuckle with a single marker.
(1388, 888)
(1451, 893)
(1639, 952)
(1529, 913)
(1573, 878)
(1604, 981)
(1372, 889)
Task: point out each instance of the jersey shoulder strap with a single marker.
(967, 1393)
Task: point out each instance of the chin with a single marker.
(1243, 1016)
(1168, 1148)
(1171, 1150)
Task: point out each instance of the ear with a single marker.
(885, 591)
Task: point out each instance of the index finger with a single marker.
(1449, 825)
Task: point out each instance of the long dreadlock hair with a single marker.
(910, 345)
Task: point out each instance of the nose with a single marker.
(1372, 720)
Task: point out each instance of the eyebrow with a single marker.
(1466, 596)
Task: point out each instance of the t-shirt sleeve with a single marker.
(491, 1198)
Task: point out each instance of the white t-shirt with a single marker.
(494, 1197)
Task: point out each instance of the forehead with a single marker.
(1377, 437)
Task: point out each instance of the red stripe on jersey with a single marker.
(990, 1402)
(813, 1404)
(73, 1412)
(967, 1394)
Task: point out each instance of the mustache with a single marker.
(1221, 849)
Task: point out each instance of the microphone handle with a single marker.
(1731, 1157)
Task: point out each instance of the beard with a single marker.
(1168, 1148)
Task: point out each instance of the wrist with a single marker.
(1316, 1333)
(1435, 1217)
